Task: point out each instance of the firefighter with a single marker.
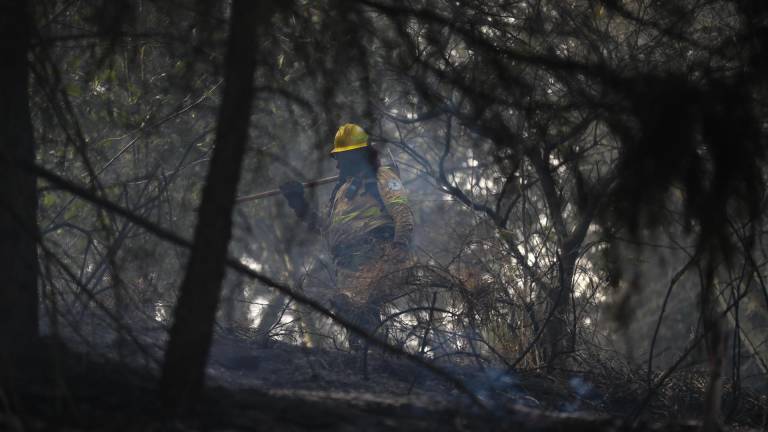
(368, 227)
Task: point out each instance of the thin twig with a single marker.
(173, 238)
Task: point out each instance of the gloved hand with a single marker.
(293, 191)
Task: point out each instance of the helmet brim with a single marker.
(348, 148)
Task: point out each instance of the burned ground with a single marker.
(587, 179)
(285, 387)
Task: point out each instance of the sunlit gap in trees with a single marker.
(257, 305)
(472, 180)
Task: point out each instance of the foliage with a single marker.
(573, 165)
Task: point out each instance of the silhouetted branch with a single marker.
(173, 238)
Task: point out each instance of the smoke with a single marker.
(582, 391)
(496, 387)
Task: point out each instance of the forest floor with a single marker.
(288, 387)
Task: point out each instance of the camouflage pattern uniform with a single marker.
(363, 226)
(369, 227)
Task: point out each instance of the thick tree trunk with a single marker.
(190, 338)
(18, 190)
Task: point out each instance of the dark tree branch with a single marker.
(173, 238)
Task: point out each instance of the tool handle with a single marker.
(273, 192)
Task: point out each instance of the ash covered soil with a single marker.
(387, 379)
(288, 387)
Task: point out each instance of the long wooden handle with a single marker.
(273, 192)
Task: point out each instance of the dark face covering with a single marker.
(354, 162)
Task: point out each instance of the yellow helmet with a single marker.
(349, 137)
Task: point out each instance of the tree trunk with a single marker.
(183, 370)
(235, 307)
(556, 341)
(18, 190)
(715, 347)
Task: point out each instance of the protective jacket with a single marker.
(365, 208)
(365, 213)
(368, 226)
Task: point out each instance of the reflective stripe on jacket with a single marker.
(355, 214)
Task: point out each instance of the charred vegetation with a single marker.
(586, 179)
